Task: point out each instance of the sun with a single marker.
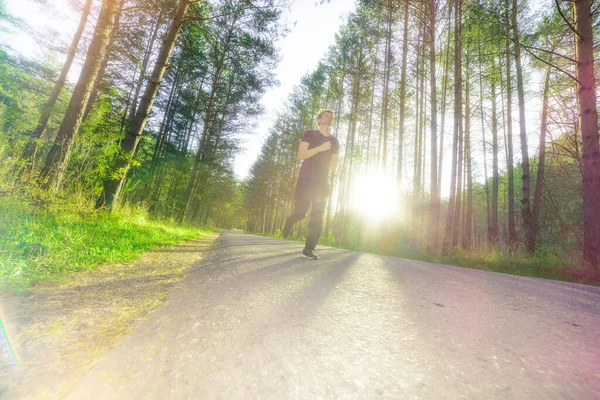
(376, 195)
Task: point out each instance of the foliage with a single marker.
(222, 64)
(41, 243)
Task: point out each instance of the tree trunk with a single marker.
(403, 93)
(493, 227)
(53, 173)
(458, 126)
(333, 178)
(528, 228)
(60, 82)
(31, 147)
(113, 185)
(386, 83)
(467, 241)
(419, 236)
(537, 195)
(144, 67)
(451, 219)
(434, 211)
(168, 116)
(588, 123)
(349, 156)
(444, 104)
(105, 59)
(512, 226)
(485, 166)
(416, 187)
(189, 193)
(370, 113)
(188, 135)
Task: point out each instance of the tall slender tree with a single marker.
(512, 224)
(528, 227)
(60, 82)
(53, 173)
(451, 216)
(541, 168)
(30, 150)
(588, 124)
(458, 121)
(434, 212)
(467, 238)
(402, 116)
(493, 227)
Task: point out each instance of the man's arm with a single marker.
(334, 163)
(304, 152)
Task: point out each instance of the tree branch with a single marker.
(574, 61)
(135, 8)
(526, 48)
(552, 65)
(210, 18)
(566, 20)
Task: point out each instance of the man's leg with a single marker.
(300, 209)
(315, 223)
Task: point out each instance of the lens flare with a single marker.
(4, 335)
(376, 195)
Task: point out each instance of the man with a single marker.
(318, 152)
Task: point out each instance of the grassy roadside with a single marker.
(46, 243)
(547, 263)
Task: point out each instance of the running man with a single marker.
(318, 152)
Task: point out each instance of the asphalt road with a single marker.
(255, 320)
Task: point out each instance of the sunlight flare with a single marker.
(376, 195)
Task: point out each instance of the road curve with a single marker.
(255, 320)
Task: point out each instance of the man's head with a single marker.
(325, 117)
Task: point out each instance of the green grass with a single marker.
(46, 243)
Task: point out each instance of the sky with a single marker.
(312, 27)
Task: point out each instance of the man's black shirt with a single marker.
(312, 181)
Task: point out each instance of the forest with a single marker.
(477, 118)
(468, 129)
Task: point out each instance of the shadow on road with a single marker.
(307, 301)
(254, 260)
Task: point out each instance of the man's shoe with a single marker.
(287, 228)
(309, 254)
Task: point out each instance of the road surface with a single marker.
(255, 320)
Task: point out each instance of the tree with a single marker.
(434, 212)
(31, 148)
(528, 226)
(452, 219)
(512, 230)
(58, 158)
(537, 195)
(588, 124)
(402, 115)
(113, 185)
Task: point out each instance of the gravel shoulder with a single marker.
(60, 330)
